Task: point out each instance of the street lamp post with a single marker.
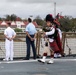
(54, 9)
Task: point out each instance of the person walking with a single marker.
(52, 34)
(9, 34)
(30, 38)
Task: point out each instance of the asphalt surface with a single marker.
(61, 66)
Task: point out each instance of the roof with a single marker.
(14, 23)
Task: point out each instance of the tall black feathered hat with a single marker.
(50, 18)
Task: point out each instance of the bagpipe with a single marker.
(46, 29)
(56, 23)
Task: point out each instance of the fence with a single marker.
(68, 44)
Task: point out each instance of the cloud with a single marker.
(44, 1)
(25, 8)
(30, 1)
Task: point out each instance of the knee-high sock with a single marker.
(45, 54)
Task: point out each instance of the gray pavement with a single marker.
(62, 66)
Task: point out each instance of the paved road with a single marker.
(62, 66)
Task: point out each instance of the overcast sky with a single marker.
(25, 8)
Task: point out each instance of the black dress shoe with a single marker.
(34, 58)
(25, 59)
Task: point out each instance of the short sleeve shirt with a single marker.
(9, 32)
(30, 28)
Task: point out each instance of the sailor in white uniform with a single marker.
(9, 36)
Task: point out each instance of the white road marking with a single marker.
(21, 61)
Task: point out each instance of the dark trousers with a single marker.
(30, 43)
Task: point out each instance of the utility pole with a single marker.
(61, 13)
(54, 9)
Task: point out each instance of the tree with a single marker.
(0, 19)
(39, 21)
(18, 30)
(11, 17)
(8, 18)
(74, 24)
(66, 24)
